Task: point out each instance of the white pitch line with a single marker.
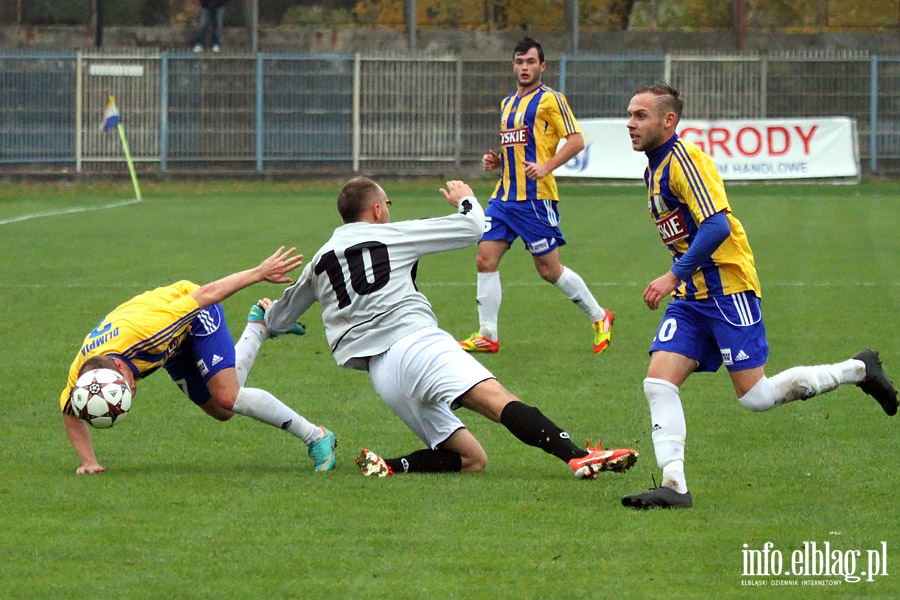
(77, 209)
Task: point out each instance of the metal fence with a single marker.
(338, 114)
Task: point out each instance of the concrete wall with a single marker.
(463, 43)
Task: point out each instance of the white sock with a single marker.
(801, 383)
(488, 295)
(246, 349)
(669, 431)
(263, 406)
(573, 286)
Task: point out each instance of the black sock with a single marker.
(530, 425)
(426, 461)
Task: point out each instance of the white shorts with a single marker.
(420, 376)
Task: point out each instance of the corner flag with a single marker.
(111, 119)
(110, 115)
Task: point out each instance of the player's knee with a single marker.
(547, 276)
(474, 462)
(218, 409)
(549, 272)
(485, 264)
(225, 400)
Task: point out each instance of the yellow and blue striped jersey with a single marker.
(530, 130)
(685, 188)
(144, 331)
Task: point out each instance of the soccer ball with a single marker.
(101, 397)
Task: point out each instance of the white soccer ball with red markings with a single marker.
(101, 397)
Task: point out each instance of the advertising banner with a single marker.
(743, 149)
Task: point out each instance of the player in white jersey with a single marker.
(377, 321)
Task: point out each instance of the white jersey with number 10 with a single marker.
(364, 280)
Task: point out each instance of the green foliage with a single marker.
(605, 14)
(449, 14)
(316, 16)
(702, 14)
(194, 508)
(807, 16)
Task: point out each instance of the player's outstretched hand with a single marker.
(283, 261)
(456, 191)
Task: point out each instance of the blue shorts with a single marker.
(535, 221)
(207, 350)
(728, 329)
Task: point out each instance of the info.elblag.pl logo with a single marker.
(812, 564)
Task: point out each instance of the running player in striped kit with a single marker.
(715, 315)
(525, 201)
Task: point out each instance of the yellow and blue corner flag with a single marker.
(110, 115)
(111, 120)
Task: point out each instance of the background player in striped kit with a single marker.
(715, 315)
(181, 328)
(524, 204)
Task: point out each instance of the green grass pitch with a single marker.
(193, 508)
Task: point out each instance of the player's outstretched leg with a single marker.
(877, 384)
(532, 427)
(264, 407)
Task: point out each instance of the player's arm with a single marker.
(703, 193)
(452, 232)
(574, 144)
(80, 438)
(273, 270)
(710, 235)
(295, 301)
